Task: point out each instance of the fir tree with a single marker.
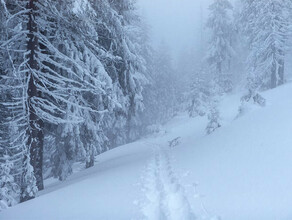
(220, 50)
(265, 26)
(72, 77)
(213, 117)
(199, 96)
(49, 62)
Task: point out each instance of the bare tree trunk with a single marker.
(35, 130)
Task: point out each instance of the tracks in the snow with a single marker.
(165, 197)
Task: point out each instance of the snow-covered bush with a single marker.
(8, 188)
(214, 119)
(249, 100)
(199, 97)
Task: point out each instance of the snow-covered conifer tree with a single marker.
(213, 117)
(120, 32)
(72, 75)
(199, 96)
(265, 24)
(220, 50)
(50, 60)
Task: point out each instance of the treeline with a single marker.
(76, 79)
(248, 45)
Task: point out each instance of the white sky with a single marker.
(176, 22)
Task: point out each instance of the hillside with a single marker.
(240, 172)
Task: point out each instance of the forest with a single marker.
(80, 78)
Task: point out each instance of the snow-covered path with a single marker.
(166, 199)
(243, 171)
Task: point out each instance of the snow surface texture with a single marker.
(166, 198)
(240, 172)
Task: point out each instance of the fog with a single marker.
(178, 23)
(162, 109)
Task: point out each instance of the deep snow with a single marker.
(240, 172)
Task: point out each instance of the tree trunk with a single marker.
(274, 71)
(90, 159)
(219, 68)
(273, 78)
(90, 162)
(281, 68)
(35, 130)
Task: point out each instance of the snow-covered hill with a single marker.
(243, 171)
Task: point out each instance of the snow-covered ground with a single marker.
(243, 171)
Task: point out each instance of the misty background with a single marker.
(178, 23)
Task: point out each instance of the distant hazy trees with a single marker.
(215, 76)
(265, 24)
(261, 29)
(199, 97)
(220, 51)
(161, 95)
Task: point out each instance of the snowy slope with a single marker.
(240, 172)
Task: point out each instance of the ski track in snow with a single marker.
(165, 197)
